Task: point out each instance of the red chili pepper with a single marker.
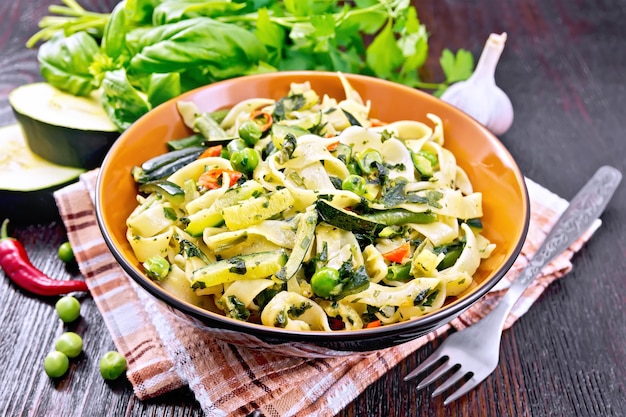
(15, 263)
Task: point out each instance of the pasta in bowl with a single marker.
(327, 209)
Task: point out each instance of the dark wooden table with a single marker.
(563, 68)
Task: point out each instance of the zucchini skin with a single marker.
(65, 145)
(166, 166)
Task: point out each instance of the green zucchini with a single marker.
(252, 266)
(347, 220)
(372, 223)
(166, 189)
(255, 210)
(165, 165)
(27, 182)
(62, 128)
(305, 234)
(394, 217)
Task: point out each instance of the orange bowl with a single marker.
(490, 167)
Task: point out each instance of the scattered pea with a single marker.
(56, 364)
(324, 281)
(65, 252)
(245, 160)
(250, 132)
(68, 308)
(157, 267)
(354, 183)
(70, 344)
(112, 365)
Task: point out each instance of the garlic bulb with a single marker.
(479, 96)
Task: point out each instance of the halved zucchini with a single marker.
(62, 128)
(27, 182)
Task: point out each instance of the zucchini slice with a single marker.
(27, 182)
(62, 128)
(252, 266)
(347, 220)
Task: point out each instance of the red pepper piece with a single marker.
(398, 254)
(16, 264)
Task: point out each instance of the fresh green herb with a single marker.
(182, 44)
(191, 250)
(239, 265)
(237, 309)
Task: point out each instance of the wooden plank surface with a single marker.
(563, 68)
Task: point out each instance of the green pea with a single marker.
(65, 252)
(70, 344)
(368, 160)
(157, 267)
(325, 281)
(56, 364)
(235, 145)
(245, 160)
(354, 183)
(250, 132)
(112, 365)
(67, 308)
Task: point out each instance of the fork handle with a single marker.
(582, 211)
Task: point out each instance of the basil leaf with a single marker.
(163, 87)
(174, 11)
(140, 11)
(225, 50)
(64, 62)
(121, 101)
(113, 39)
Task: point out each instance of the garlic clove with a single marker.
(479, 96)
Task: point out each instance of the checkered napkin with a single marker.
(228, 379)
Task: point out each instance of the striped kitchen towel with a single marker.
(165, 352)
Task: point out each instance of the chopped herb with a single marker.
(351, 119)
(297, 311)
(239, 265)
(192, 250)
(170, 213)
(431, 299)
(237, 309)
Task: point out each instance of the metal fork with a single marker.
(473, 353)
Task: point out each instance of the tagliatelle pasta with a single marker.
(307, 214)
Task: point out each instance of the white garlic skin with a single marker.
(479, 96)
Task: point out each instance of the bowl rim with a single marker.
(402, 329)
